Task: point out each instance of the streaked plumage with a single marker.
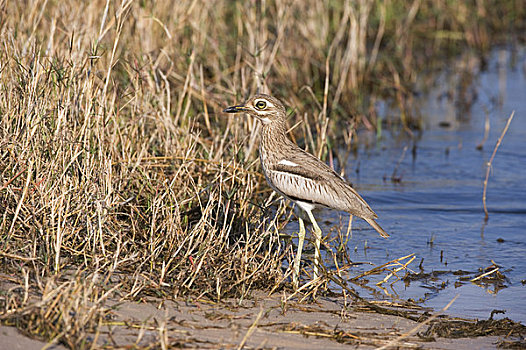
(298, 175)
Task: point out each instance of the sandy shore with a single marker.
(266, 322)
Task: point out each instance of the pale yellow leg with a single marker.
(297, 258)
(317, 236)
(349, 230)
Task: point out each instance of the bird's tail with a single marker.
(377, 227)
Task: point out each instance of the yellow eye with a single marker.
(261, 104)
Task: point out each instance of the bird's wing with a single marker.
(310, 180)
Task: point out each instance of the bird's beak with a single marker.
(236, 109)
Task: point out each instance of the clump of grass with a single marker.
(114, 159)
(66, 311)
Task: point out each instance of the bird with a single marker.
(300, 176)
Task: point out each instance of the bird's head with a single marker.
(264, 107)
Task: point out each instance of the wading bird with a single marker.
(300, 176)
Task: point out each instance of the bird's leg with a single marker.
(317, 236)
(349, 231)
(297, 258)
(348, 236)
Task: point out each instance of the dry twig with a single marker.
(488, 166)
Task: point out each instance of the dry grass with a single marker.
(116, 167)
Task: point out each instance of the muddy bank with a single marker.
(272, 322)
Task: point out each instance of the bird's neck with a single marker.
(274, 133)
(273, 137)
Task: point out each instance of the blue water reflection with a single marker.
(439, 197)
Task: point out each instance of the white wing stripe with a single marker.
(287, 162)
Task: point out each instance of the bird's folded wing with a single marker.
(319, 185)
(298, 170)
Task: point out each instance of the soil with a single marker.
(271, 322)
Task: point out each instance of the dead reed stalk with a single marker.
(488, 165)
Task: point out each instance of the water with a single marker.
(436, 211)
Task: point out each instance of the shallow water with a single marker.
(436, 208)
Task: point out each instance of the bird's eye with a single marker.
(261, 104)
